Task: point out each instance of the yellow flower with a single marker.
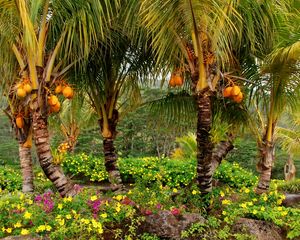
(262, 208)
(22, 196)
(194, 192)
(85, 221)
(48, 228)
(243, 205)
(103, 215)
(118, 207)
(68, 216)
(61, 222)
(175, 190)
(18, 225)
(41, 228)
(226, 202)
(3, 229)
(284, 213)
(224, 212)
(247, 190)
(24, 231)
(27, 215)
(222, 194)
(94, 198)
(254, 212)
(60, 206)
(68, 199)
(9, 230)
(118, 197)
(29, 201)
(250, 203)
(279, 201)
(265, 198)
(279, 208)
(100, 230)
(282, 196)
(129, 192)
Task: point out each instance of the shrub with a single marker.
(10, 179)
(234, 175)
(290, 187)
(85, 165)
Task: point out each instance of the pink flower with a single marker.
(175, 211)
(148, 212)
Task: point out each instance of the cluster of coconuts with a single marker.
(63, 147)
(23, 88)
(53, 101)
(233, 92)
(176, 80)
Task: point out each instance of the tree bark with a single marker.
(220, 152)
(289, 169)
(26, 168)
(204, 143)
(264, 166)
(110, 158)
(41, 137)
(110, 155)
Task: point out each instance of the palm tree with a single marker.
(75, 116)
(113, 75)
(40, 37)
(282, 73)
(24, 137)
(288, 138)
(204, 38)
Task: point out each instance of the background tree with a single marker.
(288, 139)
(204, 38)
(40, 37)
(112, 78)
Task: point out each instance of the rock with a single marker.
(261, 230)
(165, 225)
(291, 200)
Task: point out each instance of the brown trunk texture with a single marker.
(289, 169)
(264, 167)
(220, 152)
(26, 168)
(204, 144)
(110, 155)
(110, 158)
(41, 137)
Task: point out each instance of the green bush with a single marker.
(290, 187)
(234, 175)
(170, 172)
(83, 165)
(10, 179)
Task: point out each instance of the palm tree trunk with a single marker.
(264, 166)
(204, 143)
(289, 169)
(26, 168)
(41, 137)
(110, 158)
(220, 152)
(110, 155)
